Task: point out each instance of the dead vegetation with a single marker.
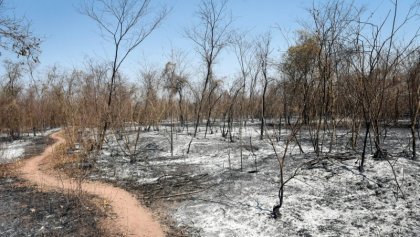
(28, 210)
(347, 77)
(31, 210)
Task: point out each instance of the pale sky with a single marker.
(69, 38)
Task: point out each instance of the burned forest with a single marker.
(234, 127)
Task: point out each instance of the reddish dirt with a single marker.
(132, 219)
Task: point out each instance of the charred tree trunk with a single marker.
(362, 162)
(276, 208)
(413, 141)
(263, 112)
(181, 113)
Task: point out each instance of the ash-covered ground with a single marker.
(26, 146)
(26, 211)
(206, 193)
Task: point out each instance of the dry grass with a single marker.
(8, 170)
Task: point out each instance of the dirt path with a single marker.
(132, 219)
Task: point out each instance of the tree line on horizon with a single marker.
(340, 71)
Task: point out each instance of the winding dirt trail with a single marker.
(132, 219)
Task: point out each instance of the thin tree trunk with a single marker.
(413, 141)
(362, 162)
(263, 111)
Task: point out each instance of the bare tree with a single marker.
(332, 24)
(11, 117)
(127, 23)
(281, 159)
(211, 36)
(374, 60)
(244, 54)
(299, 66)
(169, 77)
(177, 80)
(412, 80)
(138, 110)
(212, 101)
(149, 116)
(263, 54)
(16, 36)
